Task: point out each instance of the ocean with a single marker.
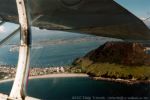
(50, 48)
(82, 89)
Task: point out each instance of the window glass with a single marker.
(9, 45)
(81, 49)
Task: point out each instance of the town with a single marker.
(8, 72)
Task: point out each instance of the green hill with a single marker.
(123, 60)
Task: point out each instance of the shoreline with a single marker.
(62, 75)
(67, 75)
(125, 81)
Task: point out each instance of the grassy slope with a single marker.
(115, 71)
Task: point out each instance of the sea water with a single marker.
(50, 48)
(82, 89)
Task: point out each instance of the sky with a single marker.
(141, 8)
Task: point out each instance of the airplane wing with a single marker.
(96, 17)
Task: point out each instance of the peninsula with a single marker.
(125, 62)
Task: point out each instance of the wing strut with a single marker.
(9, 37)
(18, 91)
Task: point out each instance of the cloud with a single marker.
(146, 21)
(2, 29)
(142, 18)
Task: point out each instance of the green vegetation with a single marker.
(116, 60)
(2, 75)
(114, 71)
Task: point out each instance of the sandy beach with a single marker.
(62, 75)
(50, 76)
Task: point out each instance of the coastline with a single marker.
(125, 81)
(62, 75)
(67, 75)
